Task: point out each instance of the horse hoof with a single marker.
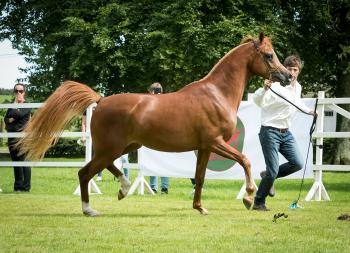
(123, 192)
(248, 202)
(91, 213)
(121, 195)
(203, 210)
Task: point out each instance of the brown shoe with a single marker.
(261, 207)
(272, 189)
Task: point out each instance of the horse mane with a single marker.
(247, 39)
(250, 38)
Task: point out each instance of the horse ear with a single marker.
(261, 37)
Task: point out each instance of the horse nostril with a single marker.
(290, 77)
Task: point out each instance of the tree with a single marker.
(124, 46)
(320, 32)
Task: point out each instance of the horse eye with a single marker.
(269, 57)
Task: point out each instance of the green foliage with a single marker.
(66, 148)
(7, 92)
(124, 46)
(319, 32)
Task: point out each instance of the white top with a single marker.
(275, 111)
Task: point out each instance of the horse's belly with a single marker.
(169, 144)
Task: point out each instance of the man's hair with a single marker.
(293, 61)
(155, 85)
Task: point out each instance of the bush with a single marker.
(66, 148)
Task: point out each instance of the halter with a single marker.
(270, 70)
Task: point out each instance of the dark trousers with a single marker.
(22, 174)
(273, 142)
(193, 181)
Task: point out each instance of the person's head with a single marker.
(294, 65)
(19, 92)
(155, 88)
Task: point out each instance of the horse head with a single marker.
(265, 62)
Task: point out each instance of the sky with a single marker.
(10, 61)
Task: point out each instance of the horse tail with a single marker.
(47, 124)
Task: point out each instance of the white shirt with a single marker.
(275, 111)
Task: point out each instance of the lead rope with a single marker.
(295, 205)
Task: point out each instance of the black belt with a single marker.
(281, 130)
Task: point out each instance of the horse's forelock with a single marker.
(262, 38)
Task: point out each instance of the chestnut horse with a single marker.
(201, 116)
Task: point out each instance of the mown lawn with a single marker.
(49, 219)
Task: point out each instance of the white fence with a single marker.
(87, 135)
(318, 191)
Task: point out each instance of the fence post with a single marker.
(318, 191)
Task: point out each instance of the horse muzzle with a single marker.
(283, 78)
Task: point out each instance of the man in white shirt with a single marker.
(274, 136)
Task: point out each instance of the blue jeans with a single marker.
(153, 181)
(125, 159)
(273, 141)
(126, 173)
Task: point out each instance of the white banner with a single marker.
(183, 165)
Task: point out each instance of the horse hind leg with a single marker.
(124, 182)
(202, 161)
(85, 175)
(225, 150)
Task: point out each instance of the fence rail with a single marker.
(318, 191)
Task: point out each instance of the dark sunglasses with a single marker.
(19, 91)
(157, 90)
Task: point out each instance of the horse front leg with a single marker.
(223, 149)
(124, 182)
(202, 161)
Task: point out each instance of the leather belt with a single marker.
(281, 130)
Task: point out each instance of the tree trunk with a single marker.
(342, 152)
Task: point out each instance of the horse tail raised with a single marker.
(47, 124)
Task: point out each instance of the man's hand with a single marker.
(19, 98)
(11, 120)
(313, 113)
(267, 84)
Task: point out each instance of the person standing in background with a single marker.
(156, 88)
(15, 120)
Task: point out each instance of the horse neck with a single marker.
(231, 74)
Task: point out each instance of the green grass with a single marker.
(49, 219)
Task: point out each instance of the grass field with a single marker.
(49, 219)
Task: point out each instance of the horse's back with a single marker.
(155, 121)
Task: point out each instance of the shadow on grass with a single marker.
(80, 215)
